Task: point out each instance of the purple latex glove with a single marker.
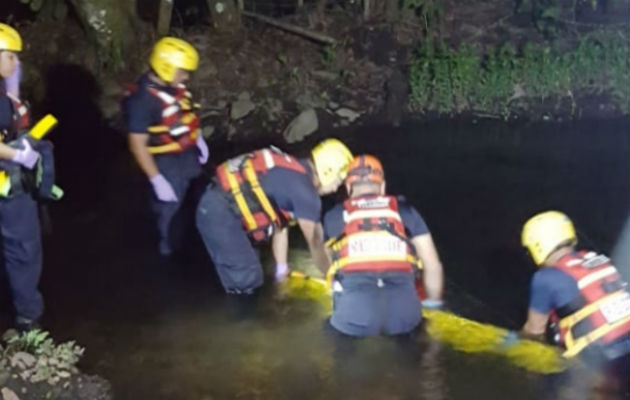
(282, 272)
(26, 156)
(163, 190)
(204, 153)
(13, 82)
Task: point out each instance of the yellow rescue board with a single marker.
(460, 333)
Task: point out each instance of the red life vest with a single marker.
(373, 239)
(601, 313)
(21, 118)
(179, 127)
(239, 176)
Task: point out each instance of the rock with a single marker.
(240, 108)
(263, 82)
(244, 96)
(23, 360)
(274, 108)
(8, 394)
(207, 131)
(206, 70)
(303, 125)
(327, 75)
(332, 105)
(308, 100)
(231, 131)
(348, 114)
(110, 107)
(4, 377)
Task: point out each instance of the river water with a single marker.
(164, 331)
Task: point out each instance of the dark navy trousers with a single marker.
(22, 254)
(173, 219)
(369, 304)
(232, 253)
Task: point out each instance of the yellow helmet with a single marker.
(331, 158)
(10, 39)
(544, 232)
(171, 53)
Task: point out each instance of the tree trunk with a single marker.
(226, 17)
(111, 25)
(164, 17)
(392, 11)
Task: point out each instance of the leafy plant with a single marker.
(448, 80)
(36, 358)
(429, 11)
(329, 56)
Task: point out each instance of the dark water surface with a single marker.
(163, 331)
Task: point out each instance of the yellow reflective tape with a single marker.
(251, 177)
(42, 127)
(574, 347)
(166, 148)
(5, 184)
(158, 129)
(188, 118)
(570, 320)
(250, 222)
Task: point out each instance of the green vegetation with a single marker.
(34, 357)
(450, 81)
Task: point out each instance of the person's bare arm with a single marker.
(7, 152)
(280, 246)
(314, 235)
(138, 145)
(432, 266)
(535, 326)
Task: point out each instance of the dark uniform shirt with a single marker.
(6, 109)
(293, 192)
(142, 109)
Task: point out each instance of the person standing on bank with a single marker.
(165, 137)
(19, 219)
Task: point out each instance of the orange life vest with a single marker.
(373, 239)
(239, 176)
(179, 128)
(601, 313)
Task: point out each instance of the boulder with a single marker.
(303, 125)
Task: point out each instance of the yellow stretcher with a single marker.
(460, 333)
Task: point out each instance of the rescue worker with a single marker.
(581, 292)
(254, 197)
(19, 220)
(164, 135)
(377, 243)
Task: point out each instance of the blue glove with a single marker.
(432, 304)
(510, 339)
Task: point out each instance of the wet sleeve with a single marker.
(541, 293)
(333, 222)
(413, 221)
(138, 113)
(306, 202)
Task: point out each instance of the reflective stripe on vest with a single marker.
(179, 126)
(373, 239)
(239, 176)
(606, 312)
